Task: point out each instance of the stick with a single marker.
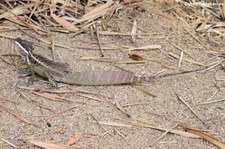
(99, 43)
(190, 108)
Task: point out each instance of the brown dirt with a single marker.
(164, 110)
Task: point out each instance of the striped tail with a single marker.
(99, 78)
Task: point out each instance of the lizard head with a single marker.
(23, 47)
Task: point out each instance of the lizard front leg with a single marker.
(31, 80)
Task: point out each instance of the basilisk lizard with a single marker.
(59, 72)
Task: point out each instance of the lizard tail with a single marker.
(99, 78)
(148, 78)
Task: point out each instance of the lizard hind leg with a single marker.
(51, 80)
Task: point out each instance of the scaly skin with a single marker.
(96, 78)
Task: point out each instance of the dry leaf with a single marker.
(64, 23)
(17, 11)
(104, 59)
(99, 8)
(164, 15)
(48, 145)
(73, 140)
(109, 33)
(19, 117)
(46, 95)
(177, 132)
(146, 92)
(148, 47)
(90, 97)
(131, 1)
(136, 57)
(96, 12)
(115, 124)
(206, 137)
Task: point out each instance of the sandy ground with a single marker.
(165, 110)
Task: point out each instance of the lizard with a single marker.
(59, 72)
